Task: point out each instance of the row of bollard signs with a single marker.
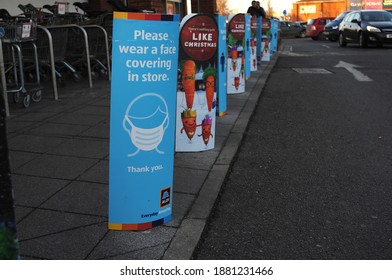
(169, 85)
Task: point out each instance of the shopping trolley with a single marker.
(99, 51)
(15, 33)
(61, 14)
(36, 14)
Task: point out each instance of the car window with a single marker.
(356, 16)
(311, 21)
(366, 16)
(377, 16)
(341, 16)
(322, 21)
(349, 17)
(385, 16)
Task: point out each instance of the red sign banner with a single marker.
(199, 37)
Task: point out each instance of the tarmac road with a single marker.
(312, 179)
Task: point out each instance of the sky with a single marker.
(278, 5)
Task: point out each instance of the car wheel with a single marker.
(362, 40)
(315, 38)
(341, 40)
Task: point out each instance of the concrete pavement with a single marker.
(59, 153)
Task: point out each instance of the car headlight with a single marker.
(335, 27)
(372, 29)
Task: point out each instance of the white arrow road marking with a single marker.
(359, 76)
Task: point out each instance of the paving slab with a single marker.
(33, 191)
(75, 244)
(53, 129)
(196, 160)
(124, 242)
(149, 253)
(78, 119)
(80, 197)
(82, 148)
(54, 166)
(188, 180)
(181, 204)
(17, 159)
(99, 173)
(99, 131)
(33, 143)
(46, 222)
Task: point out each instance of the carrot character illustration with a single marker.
(206, 129)
(243, 65)
(188, 81)
(236, 82)
(234, 57)
(188, 118)
(252, 45)
(209, 79)
(266, 47)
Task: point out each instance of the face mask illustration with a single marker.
(145, 121)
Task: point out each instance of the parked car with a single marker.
(331, 30)
(366, 26)
(291, 29)
(315, 27)
(302, 26)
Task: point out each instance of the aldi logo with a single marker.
(165, 197)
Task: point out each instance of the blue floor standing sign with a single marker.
(222, 68)
(142, 119)
(247, 47)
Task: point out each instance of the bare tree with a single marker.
(221, 6)
(269, 11)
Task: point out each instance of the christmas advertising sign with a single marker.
(142, 120)
(197, 75)
(253, 43)
(236, 54)
(265, 44)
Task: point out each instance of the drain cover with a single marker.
(311, 71)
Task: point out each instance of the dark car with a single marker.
(315, 27)
(365, 27)
(331, 30)
(291, 29)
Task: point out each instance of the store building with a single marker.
(181, 7)
(305, 9)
